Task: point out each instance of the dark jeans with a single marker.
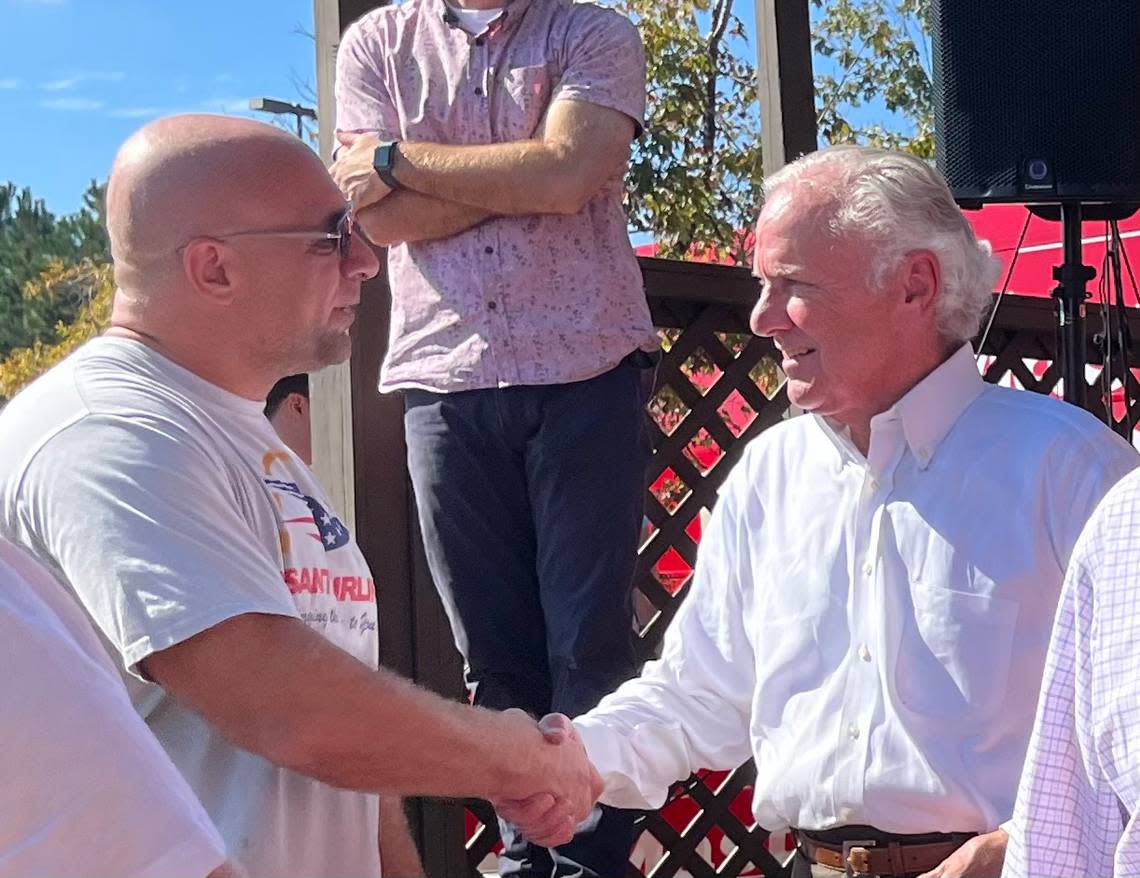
(530, 502)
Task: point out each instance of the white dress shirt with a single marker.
(1082, 772)
(871, 630)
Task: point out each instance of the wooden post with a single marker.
(786, 86)
(360, 457)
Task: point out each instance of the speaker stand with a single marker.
(1072, 277)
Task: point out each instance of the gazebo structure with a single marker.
(718, 386)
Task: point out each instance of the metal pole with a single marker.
(1070, 294)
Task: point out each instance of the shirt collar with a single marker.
(509, 19)
(931, 408)
(927, 411)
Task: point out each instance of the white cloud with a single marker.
(72, 104)
(9, 84)
(135, 112)
(69, 82)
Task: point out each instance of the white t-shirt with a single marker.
(85, 790)
(169, 505)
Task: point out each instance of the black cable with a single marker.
(1110, 261)
(1123, 331)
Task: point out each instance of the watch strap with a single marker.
(383, 160)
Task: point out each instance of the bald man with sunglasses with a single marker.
(143, 472)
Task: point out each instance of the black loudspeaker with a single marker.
(1038, 100)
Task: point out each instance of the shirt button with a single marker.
(488, 250)
(868, 569)
(478, 90)
(480, 41)
(874, 485)
(492, 305)
(864, 652)
(853, 732)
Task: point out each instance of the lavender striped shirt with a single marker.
(538, 299)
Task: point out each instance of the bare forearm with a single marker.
(339, 721)
(407, 216)
(523, 177)
(398, 855)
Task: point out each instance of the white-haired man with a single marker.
(874, 594)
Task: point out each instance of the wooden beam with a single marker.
(786, 86)
(330, 389)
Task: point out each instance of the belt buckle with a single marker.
(856, 858)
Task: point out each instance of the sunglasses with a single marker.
(344, 228)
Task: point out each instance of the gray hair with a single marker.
(900, 203)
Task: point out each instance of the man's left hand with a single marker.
(981, 857)
(354, 173)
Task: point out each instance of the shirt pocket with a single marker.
(954, 660)
(523, 100)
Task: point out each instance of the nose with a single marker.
(361, 263)
(769, 315)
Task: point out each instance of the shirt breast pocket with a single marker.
(525, 94)
(954, 660)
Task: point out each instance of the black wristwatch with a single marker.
(383, 160)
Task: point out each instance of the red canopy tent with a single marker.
(1001, 225)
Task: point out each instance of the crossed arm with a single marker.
(448, 189)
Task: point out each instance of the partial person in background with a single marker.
(287, 407)
(874, 593)
(485, 142)
(143, 473)
(85, 789)
(1079, 800)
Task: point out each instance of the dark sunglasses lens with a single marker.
(344, 229)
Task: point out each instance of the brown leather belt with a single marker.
(855, 858)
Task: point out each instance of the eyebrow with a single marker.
(333, 218)
(783, 270)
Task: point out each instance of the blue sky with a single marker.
(77, 76)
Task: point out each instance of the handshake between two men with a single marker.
(569, 787)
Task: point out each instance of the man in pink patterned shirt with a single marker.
(485, 143)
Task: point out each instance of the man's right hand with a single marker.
(565, 785)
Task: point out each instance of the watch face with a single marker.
(382, 158)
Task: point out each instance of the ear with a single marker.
(205, 262)
(920, 279)
(298, 403)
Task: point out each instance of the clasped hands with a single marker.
(558, 788)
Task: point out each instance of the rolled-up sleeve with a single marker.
(604, 63)
(363, 100)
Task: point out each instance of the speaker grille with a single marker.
(1050, 80)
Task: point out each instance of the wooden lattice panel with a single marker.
(717, 387)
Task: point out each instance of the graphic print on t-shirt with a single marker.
(322, 567)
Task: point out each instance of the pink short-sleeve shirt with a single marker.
(537, 299)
